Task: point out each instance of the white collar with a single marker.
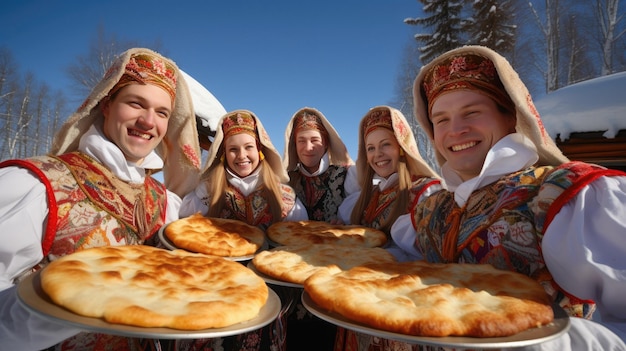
(510, 154)
(96, 145)
(246, 184)
(384, 183)
(323, 166)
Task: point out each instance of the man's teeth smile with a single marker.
(141, 135)
(463, 146)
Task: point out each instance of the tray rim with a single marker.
(32, 297)
(558, 327)
(272, 280)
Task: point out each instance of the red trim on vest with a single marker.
(416, 200)
(422, 190)
(50, 231)
(585, 179)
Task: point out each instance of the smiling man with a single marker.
(96, 187)
(514, 201)
(320, 170)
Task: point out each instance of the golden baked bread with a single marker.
(294, 264)
(215, 236)
(149, 287)
(318, 232)
(425, 299)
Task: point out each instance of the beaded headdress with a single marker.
(179, 149)
(239, 122)
(146, 68)
(312, 118)
(377, 118)
(391, 118)
(488, 73)
(244, 121)
(465, 71)
(308, 120)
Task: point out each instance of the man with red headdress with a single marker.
(96, 187)
(514, 201)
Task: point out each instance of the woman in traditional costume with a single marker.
(393, 177)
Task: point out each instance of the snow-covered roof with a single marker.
(594, 105)
(206, 106)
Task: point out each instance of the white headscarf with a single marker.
(337, 151)
(528, 120)
(179, 149)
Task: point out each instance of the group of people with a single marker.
(505, 195)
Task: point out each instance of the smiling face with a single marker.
(383, 152)
(242, 154)
(466, 124)
(136, 119)
(310, 148)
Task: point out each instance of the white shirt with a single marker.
(23, 214)
(584, 247)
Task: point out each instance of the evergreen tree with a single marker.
(444, 17)
(491, 25)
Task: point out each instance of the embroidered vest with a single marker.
(502, 224)
(380, 207)
(90, 207)
(322, 194)
(254, 208)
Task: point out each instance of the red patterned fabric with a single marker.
(254, 208)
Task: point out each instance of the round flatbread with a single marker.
(318, 232)
(215, 236)
(295, 264)
(424, 299)
(149, 287)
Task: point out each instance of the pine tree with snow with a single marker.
(491, 25)
(444, 17)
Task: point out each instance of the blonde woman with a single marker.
(391, 173)
(244, 179)
(393, 177)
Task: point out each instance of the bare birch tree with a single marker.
(608, 19)
(29, 116)
(88, 69)
(550, 32)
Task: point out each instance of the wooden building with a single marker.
(592, 147)
(587, 120)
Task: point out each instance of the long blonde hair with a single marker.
(216, 183)
(400, 204)
(410, 166)
(271, 176)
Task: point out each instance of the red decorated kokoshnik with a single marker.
(309, 120)
(148, 69)
(377, 118)
(239, 122)
(469, 72)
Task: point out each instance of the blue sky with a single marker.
(271, 57)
